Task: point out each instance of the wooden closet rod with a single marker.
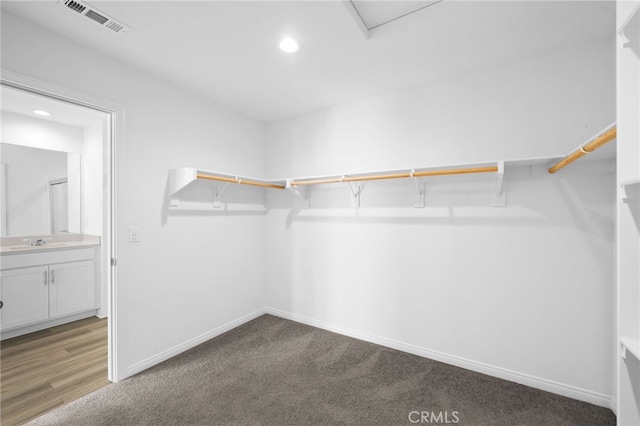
(491, 169)
(397, 175)
(239, 181)
(585, 149)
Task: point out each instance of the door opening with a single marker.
(59, 206)
(97, 213)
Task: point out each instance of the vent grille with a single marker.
(114, 26)
(96, 15)
(74, 5)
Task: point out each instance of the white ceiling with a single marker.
(227, 50)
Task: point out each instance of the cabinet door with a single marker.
(25, 296)
(71, 288)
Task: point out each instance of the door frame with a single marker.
(114, 165)
(52, 202)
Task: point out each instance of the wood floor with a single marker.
(43, 370)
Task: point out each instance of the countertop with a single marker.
(16, 245)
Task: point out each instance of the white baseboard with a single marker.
(46, 324)
(176, 350)
(501, 373)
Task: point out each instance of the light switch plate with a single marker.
(134, 234)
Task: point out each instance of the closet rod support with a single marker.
(302, 193)
(420, 188)
(500, 199)
(217, 193)
(356, 190)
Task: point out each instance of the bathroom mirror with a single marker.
(40, 191)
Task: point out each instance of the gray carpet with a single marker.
(272, 371)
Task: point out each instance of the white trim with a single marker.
(116, 140)
(490, 370)
(613, 405)
(191, 343)
(3, 200)
(45, 88)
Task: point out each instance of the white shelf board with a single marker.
(629, 186)
(240, 177)
(533, 161)
(630, 29)
(182, 177)
(194, 206)
(631, 346)
(631, 21)
(394, 171)
(630, 181)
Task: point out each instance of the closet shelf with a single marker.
(630, 346)
(393, 174)
(630, 182)
(630, 28)
(630, 187)
(605, 136)
(183, 177)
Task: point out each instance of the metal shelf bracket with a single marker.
(500, 198)
(421, 188)
(217, 193)
(304, 193)
(356, 190)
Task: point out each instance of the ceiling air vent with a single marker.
(96, 15)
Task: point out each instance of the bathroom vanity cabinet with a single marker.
(47, 287)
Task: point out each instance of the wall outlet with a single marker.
(134, 234)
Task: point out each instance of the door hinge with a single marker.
(114, 262)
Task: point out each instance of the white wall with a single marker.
(190, 273)
(44, 134)
(543, 107)
(524, 291)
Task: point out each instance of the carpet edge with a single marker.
(557, 388)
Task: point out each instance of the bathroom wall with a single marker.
(28, 173)
(22, 130)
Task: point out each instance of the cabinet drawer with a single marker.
(23, 260)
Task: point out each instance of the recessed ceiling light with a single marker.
(289, 45)
(41, 112)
